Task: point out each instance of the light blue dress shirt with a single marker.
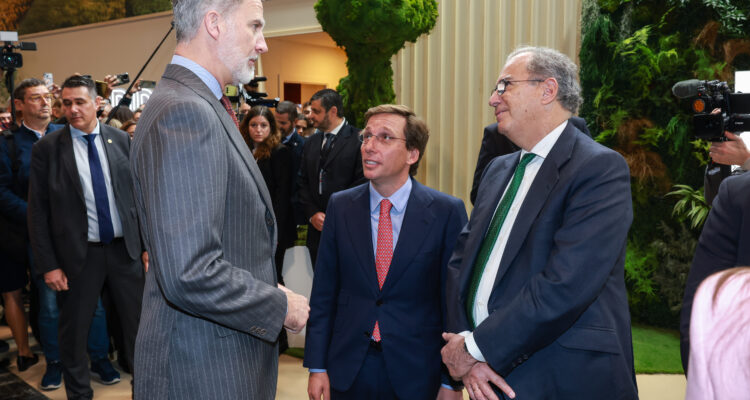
(81, 152)
(210, 81)
(398, 200)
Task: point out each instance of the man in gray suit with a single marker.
(212, 310)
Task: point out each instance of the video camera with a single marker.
(255, 98)
(10, 60)
(733, 108)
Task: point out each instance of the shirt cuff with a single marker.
(746, 165)
(449, 387)
(473, 349)
(317, 370)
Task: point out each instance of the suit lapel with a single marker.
(338, 143)
(189, 79)
(359, 228)
(536, 198)
(67, 156)
(417, 221)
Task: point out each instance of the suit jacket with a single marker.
(57, 219)
(724, 243)
(496, 144)
(559, 325)
(342, 170)
(297, 144)
(211, 308)
(14, 190)
(278, 173)
(346, 300)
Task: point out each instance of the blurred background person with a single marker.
(275, 162)
(122, 114)
(57, 112)
(302, 126)
(720, 338)
(6, 119)
(129, 127)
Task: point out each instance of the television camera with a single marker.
(716, 108)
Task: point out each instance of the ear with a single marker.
(549, 86)
(413, 156)
(212, 22)
(98, 101)
(333, 111)
(18, 103)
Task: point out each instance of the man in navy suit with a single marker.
(536, 294)
(286, 116)
(378, 294)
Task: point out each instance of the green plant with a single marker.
(675, 251)
(640, 265)
(692, 205)
(371, 31)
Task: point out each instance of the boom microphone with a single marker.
(686, 89)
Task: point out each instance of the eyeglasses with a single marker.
(381, 139)
(503, 84)
(36, 98)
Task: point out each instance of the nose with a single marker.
(260, 45)
(494, 100)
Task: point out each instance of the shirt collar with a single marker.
(76, 133)
(203, 74)
(398, 199)
(545, 145)
(38, 133)
(336, 130)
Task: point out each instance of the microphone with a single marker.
(686, 89)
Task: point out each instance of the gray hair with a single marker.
(188, 15)
(545, 63)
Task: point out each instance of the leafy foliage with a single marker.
(142, 7)
(632, 52)
(10, 13)
(371, 31)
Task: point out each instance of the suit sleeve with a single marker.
(324, 295)
(282, 164)
(182, 170)
(586, 246)
(716, 251)
(11, 206)
(38, 212)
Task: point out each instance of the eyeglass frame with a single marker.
(36, 97)
(384, 139)
(506, 82)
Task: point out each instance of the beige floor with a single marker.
(293, 381)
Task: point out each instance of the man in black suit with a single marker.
(83, 228)
(286, 116)
(495, 144)
(331, 161)
(724, 243)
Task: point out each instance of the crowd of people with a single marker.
(161, 232)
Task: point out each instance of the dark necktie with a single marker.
(324, 152)
(106, 232)
(491, 237)
(228, 106)
(384, 251)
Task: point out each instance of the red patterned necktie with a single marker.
(384, 252)
(228, 106)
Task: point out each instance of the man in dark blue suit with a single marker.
(724, 243)
(376, 309)
(536, 294)
(286, 116)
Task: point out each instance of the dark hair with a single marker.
(329, 98)
(287, 107)
(416, 132)
(263, 149)
(20, 91)
(123, 114)
(81, 81)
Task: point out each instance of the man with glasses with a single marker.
(377, 298)
(34, 101)
(536, 296)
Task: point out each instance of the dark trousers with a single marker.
(313, 240)
(107, 266)
(372, 381)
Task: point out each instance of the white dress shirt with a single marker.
(481, 311)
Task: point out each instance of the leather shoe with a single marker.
(23, 363)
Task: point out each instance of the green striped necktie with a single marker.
(489, 240)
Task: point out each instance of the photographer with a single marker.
(732, 152)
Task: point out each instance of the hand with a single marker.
(317, 220)
(455, 356)
(731, 152)
(448, 394)
(55, 90)
(56, 280)
(319, 385)
(136, 88)
(144, 258)
(297, 310)
(477, 383)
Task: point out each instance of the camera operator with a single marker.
(734, 151)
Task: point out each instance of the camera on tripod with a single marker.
(255, 98)
(9, 60)
(716, 108)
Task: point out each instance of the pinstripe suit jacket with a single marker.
(211, 310)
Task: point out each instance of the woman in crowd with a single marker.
(259, 130)
(129, 127)
(719, 366)
(303, 126)
(13, 278)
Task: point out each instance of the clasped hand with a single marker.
(474, 374)
(298, 310)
